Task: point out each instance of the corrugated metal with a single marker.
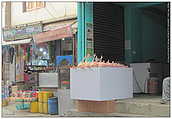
(108, 31)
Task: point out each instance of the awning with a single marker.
(59, 33)
(25, 41)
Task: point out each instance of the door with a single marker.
(108, 23)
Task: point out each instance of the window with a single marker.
(66, 46)
(29, 6)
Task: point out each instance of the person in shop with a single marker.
(27, 70)
(166, 91)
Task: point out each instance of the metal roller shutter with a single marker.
(108, 31)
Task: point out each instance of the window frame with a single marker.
(35, 8)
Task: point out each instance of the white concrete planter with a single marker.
(101, 83)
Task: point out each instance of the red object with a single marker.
(26, 77)
(59, 33)
(65, 82)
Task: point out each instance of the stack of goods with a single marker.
(97, 62)
(23, 99)
(20, 104)
(64, 76)
(5, 95)
(43, 101)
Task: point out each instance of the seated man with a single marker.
(166, 90)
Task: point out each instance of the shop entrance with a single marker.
(108, 23)
(131, 32)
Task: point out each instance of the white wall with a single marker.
(52, 11)
(3, 4)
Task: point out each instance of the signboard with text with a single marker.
(21, 32)
(51, 35)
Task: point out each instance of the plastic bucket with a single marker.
(34, 107)
(53, 105)
(45, 108)
(40, 96)
(47, 95)
(40, 107)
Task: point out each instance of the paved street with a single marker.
(139, 106)
(10, 111)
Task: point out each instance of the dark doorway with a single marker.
(108, 23)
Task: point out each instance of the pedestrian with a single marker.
(166, 90)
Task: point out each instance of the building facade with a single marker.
(40, 32)
(29, 12)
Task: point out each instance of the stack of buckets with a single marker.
(42, 105)
(43, 101)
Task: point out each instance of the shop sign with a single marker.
(21, 32)
(59, 33)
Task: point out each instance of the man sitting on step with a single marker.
(166, 91)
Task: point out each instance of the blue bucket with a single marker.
(53, 105)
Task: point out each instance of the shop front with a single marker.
(127, 33)
(42, 56)
(16, 54)
(54, 52)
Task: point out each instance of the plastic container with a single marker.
(40, 96)
(34, 107)
(40, 107)
(47, 95)
(45, 108)
(153, 84)
(26, 105)
(53, 105)
(4, 102)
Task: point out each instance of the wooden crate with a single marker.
(96, 106)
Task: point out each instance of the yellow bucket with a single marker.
(4, 102)
(45, 108)
(40, 107)
(34, 107)
(40, 96)
(47, 95)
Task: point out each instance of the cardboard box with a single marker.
(96, 106)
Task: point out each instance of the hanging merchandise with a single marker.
(11, 53)
(51, 51)
(20, 65)
(6, 54)
(28, 54)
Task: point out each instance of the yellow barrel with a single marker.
(45, 108)
(34, 107)
(47, 95)
(40, 96)
(40, 107)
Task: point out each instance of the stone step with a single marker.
(75, 113)
(143, 108)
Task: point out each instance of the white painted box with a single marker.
(101, 83)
